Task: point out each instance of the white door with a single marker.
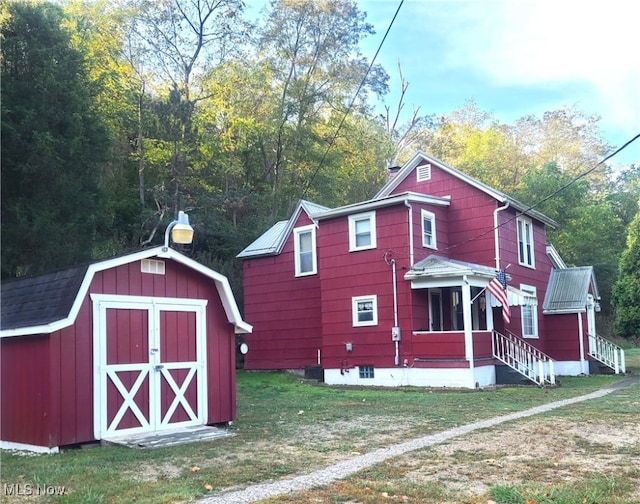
(149, 364)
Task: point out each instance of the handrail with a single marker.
(607, 352)
(523, 357)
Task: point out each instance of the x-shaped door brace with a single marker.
(128, 395)
(179, 392)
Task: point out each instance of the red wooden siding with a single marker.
(469, 215)
(26, 402)
(349, 274)
(283, 309)
(563, 341)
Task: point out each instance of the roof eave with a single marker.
(374, 204)
(494, 193)
(222, 285)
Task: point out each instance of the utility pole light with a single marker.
(181, 231)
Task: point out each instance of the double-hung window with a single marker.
(525, 242)
(305, 250)
(529, 314)
(362, 231)
(428, 229)
(364, 310)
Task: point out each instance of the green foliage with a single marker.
(153, 106)
(53, 142)
(626, 291)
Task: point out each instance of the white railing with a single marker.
(524, 358)
(607, 352)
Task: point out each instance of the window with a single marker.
(525, 242)
(362, 231)
(529, 314)
(428, 229)
(366, 371)
(305, 250)
(365, 310)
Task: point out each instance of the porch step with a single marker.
(169, 438)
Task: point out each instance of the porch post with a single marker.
(468, 325)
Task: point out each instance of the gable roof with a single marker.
(272, 241)
(503, 198)
(381, 202)
(568, 289)
(47, 303)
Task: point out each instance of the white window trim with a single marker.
(352, 230)
(529, 262)
(425, 214)
(296, 250)
(354, 310)
(534, 310)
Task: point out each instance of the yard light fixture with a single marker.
(181, 231)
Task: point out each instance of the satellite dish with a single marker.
(244, 348)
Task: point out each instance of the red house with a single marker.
(138, 344)
(394, 290)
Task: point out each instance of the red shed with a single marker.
(137, 344)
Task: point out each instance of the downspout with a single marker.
(408, 205)
(496, 234)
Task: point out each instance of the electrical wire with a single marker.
(546, 198)
(353, 100)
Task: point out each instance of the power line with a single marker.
(353, 100)
(546, 198)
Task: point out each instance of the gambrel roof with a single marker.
(568, 289)
(40, 300)
(499, 196)
(46, 303)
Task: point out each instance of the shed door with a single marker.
(150, 364)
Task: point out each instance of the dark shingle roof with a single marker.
(39, 300)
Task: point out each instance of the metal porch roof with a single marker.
(438, 266)
(568, 289)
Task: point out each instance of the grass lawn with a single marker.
(287, 426)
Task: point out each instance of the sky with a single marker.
(514, 58)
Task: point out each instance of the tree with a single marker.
(626, 291)
(53, 143)
(404, 136)
(315, 66)
(184, 40)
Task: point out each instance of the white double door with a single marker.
(149, 364)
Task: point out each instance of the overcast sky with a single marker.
(516, 58)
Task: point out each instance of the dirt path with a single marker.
(352, 465)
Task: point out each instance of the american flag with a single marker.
(498, 287)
